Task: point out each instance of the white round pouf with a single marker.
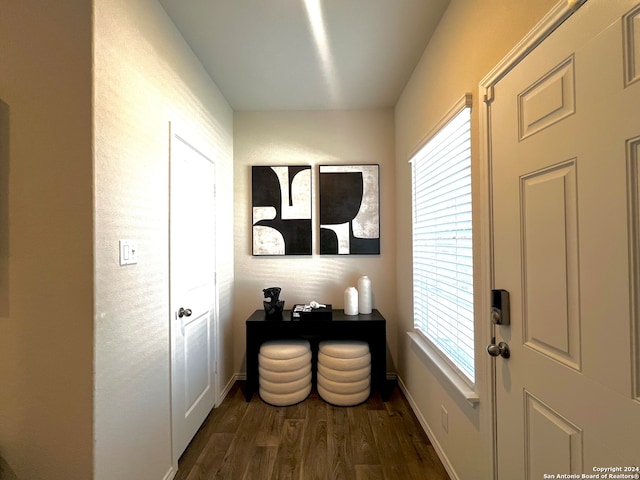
(285, 399)
(343, 348)
(284, 371)
(343, 400)
(344, 372)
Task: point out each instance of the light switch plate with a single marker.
(128, 252)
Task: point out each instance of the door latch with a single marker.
(502, 349)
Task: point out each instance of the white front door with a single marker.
(192, 290)
(565, 143)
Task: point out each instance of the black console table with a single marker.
(370, 328)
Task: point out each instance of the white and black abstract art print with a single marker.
(281, 201)
(349, 210)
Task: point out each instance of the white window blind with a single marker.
(442, 241)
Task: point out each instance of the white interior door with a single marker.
(193, 290)
(565, 136)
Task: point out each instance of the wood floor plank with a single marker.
(375, 402)
(363, 443)
(431, 467)
(226, 420)
(409, 449)
(287, 463)
(338, 441)
(397, 406)
(270, 429)
(243, 445)
(297, 411)
(315, 465)
(210, 458)
(416, 445)
(230, 413)
(392, 456)
(261, 463)
(369, 472)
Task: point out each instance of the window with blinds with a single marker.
(442, 240)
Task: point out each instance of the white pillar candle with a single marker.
(351, 301)
(365, 300)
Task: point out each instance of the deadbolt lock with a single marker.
(500, 307)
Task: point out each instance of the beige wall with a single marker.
(46, 240)
(311, 138)
(145, 76)
(473, 36)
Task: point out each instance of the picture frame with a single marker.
(349, 197)
(281, 210)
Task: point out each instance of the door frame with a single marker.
(552, 20)
(184, 133)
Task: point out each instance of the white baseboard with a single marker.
(170, 474)
(425, 426)
(227, 388)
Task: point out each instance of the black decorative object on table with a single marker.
(272, 305)
(313, 311)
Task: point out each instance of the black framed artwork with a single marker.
(281, 210)
(349, 209)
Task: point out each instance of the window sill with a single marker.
(454, 378)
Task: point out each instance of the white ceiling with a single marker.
(263, 54)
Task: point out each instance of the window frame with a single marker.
(437, 354)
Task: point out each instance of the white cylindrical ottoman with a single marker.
(284, 371)
(344, 372)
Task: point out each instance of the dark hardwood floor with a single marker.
(311, 440)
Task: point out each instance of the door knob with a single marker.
(184, 312)
(502, 349)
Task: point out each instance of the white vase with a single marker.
(365, 300)
(351, 301)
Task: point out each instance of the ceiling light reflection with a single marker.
(316, 20)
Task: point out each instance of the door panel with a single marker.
(563, 204)
(550, 263)
(553, 443)
(197, 361)
(548, 100)
(633, 156)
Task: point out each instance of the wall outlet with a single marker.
(444, 418)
